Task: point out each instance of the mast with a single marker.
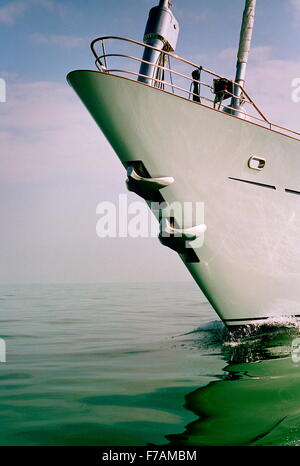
(162, 33)
(243, 52)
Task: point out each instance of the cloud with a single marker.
(295, 4)
(270, 85)
(55, 167)
(257, 54)
(60, 40)
(187, 16)
(46, 132)
(12, 11)
(8, 75)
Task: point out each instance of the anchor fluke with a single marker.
(187, 234)
(180, 240)
(147, 188)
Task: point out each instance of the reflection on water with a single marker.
(258, 400)
(133, 364)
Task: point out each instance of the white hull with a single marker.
(249, 265)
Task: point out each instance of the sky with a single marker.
(55, 164)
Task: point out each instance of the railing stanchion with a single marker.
(104, 53)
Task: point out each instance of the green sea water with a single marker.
(134, 364)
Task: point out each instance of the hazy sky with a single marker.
(56, 165)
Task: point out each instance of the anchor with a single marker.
(147, 188)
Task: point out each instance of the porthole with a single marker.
(256, 163)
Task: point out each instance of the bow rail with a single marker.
(178, 82)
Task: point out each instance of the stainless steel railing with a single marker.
(123, 64)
